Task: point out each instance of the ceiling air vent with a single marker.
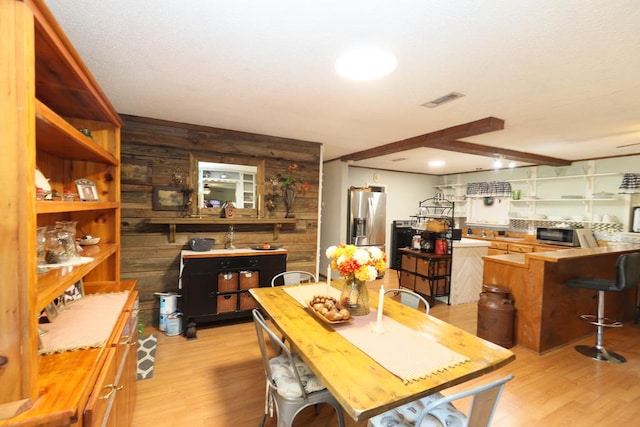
(451, 96)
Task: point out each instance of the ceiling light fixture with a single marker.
(497, 163)
(366, 64)
(436, 163)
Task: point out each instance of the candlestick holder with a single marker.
(378, 329)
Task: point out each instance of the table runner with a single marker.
(406, 353)
(85, 323)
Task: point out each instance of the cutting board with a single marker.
(586, 239)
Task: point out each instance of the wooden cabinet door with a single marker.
(491, 251)
(126, 375)
(103, 395)
(520, 249)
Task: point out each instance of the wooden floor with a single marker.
(217, 380)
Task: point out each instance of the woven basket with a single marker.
(437, 225)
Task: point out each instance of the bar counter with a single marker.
(547, 312)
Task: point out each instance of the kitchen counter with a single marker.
(213, 253)
(470, 243)
(466, 270)
(547, 311)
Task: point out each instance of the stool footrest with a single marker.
(600, 353)
(604, 321)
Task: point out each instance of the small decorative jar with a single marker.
(40, 194)
(67, 196)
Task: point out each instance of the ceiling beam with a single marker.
(516, 156)
(448, 139)
(430, 140)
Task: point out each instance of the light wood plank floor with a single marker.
(217, 380)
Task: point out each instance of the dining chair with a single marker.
(293, 278)
(437, 410)
(291, 385)
(409, 298)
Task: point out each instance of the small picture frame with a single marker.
(73, 292)
(168, 198)
(87, 190)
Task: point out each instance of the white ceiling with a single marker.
(563, 75)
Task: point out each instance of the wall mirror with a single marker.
(217, 179)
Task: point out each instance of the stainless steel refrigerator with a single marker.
(367, 217)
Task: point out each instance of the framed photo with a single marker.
(135, 171)
(87, 190)
(73, 292)
(166, 198)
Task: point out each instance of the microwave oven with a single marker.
(557, 236)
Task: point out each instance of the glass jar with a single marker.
(67, 196)
(355, 296)
(40, 194)
(41, 240)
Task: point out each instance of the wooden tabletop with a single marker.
(362, 386)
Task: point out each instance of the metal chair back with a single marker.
(409, 298)
(293, 278)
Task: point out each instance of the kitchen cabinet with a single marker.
(113, 396)
(50, 95)
(498, 248)
(505, 247)
(215, 284)
(519, 248)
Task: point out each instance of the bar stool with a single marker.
(627, 276)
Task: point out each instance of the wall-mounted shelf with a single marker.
(548, 178)
(277, 223)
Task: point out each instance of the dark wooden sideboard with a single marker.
(426, 273)
(215, 284)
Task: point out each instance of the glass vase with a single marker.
(288, 197)
(355, 296)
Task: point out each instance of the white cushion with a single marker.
(286, 381)
(406, 415)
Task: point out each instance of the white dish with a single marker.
(89, 242)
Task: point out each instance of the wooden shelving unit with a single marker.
(50, 94)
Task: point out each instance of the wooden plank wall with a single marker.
(147, 255)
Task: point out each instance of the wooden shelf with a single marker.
(277, 223)
(58, 137)
(55, 281)
(54, 206)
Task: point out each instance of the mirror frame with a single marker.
(232, 160)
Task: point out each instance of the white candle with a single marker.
(380, 308)
(259, 204)
(328, 277)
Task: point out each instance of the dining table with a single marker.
(374, 363)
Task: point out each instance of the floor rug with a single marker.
(146, 356)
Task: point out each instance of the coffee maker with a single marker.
(427, 242)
